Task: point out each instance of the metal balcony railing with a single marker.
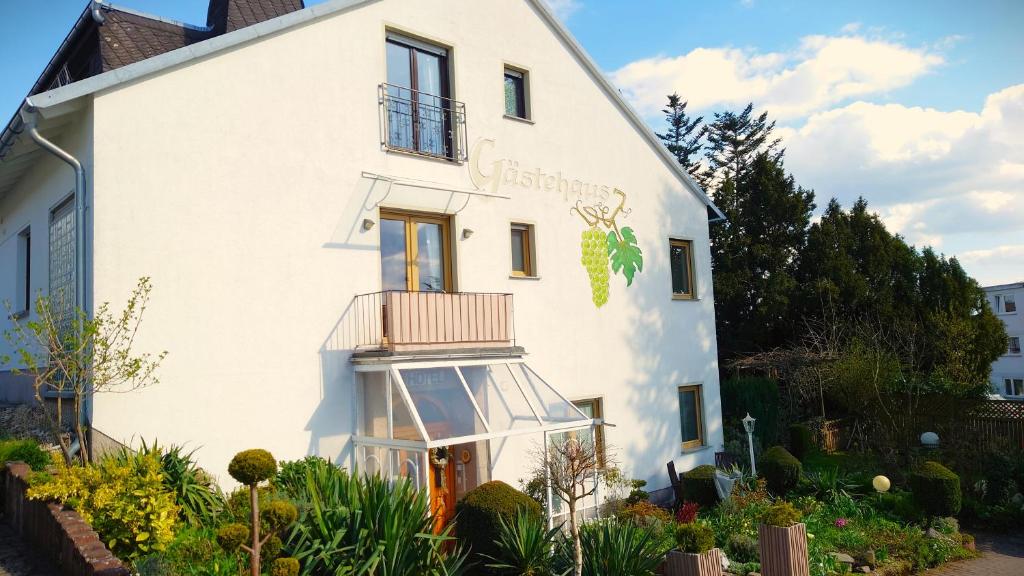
(400, 321)
(421, 123)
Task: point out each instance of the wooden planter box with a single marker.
(783, 550)
(684, 564)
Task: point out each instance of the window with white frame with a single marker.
(23, 289)
(1014, 347)
(1013, 386)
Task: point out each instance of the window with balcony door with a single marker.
(418, 113)
(415, 252)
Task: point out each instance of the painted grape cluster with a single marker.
(594, 249)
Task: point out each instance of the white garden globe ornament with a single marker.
(930, 440)
(881, 483)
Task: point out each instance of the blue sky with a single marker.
(918, 106)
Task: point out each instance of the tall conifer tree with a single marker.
(684, 137)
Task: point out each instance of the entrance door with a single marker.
(442, 487)
(415, 252)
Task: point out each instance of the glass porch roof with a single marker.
(430, 404)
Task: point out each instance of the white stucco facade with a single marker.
(237, 183)
(1007, 375)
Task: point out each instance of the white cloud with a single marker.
(821, 72)
(564, 8)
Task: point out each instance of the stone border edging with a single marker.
(58, 533)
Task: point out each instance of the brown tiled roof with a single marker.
(230, 15)
(127, 38)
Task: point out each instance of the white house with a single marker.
(1008, 371)
(363, 221)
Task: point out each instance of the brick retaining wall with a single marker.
(59, 534)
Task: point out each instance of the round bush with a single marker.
(252, 466)
(278, 515)
(695, 538)
(801, 443)
(742, 548)
(26, 451)
(231, 536)
(284, 567)
(271, 549)
(780, 514)
(936, 489)
(699, 486)
(479, 511)
(780, 470)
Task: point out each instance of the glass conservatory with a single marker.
(432, 421)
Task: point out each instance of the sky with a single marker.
(918, 106)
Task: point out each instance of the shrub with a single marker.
(525, 546)
(291, 475)
(699, 485)
(637, 492)
(195, 492)
(230, 537)
(780, 470)
(26, 451)
(780, 514)
(695, 538)
(250, 467)
(687, 512)
(612, 548)
(284, 567)
(480, 512)
(801, 443)
(742, 548)
(644, 513)
(125, 501)
(278, 515)
(193, 552)
(936, 489)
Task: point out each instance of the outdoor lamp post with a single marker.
(748, 425)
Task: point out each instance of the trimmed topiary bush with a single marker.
(781, 514)
(801, 442)
(780, 470)
(284, 567)
(695, 538)
(699, 486)
(230, 537)
(250, 467)
(479, 514)
(936, 489)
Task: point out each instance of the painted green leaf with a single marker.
(626, 256)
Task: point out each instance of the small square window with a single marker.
(522, 250)
(515, 93)
(592, 408)
(1009, 304)
(681, 262)
(23, 290)
(1014, 386)
(1014, 347)
(691, 416)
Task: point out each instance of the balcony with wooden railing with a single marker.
(400, 321)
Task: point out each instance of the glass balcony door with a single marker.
(417, 88)
(415, 252)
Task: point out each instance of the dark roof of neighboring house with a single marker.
(126, 38)
(229, 15)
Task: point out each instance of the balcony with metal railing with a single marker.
(420, 123)
(402, 322)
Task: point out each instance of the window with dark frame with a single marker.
(691, 416)
(1014, 347)
(522, 250)
(419, 118)
(23, 293)
(1014, 386)
(515, 93)
(681, 264)
(1009, 304)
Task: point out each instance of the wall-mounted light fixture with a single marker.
(367, 223)
(466, 233)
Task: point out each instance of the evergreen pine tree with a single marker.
(735, 139)
(684, 135)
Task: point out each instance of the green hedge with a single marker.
(26, 451)
(699, 486)
(478, 512)
(801, 442)
(780, 470)
(757, 396)
(936, 489)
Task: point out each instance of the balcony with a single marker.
(423, 124)
(401, 322)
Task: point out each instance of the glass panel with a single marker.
(430, 256)
(372, 460)
(407, 464)
(679, 258)
(62, 262)
(399, 104)
(587, 434)
(518, 254)
(1010, 303)
(442, 403)
(375, 404)
(688, 419)
(393, 261)
(403, 427)
(553, 410)
(513, 96)
(431, 107)
(500, 400)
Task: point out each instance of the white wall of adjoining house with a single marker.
(45, 186)
(235, 183)
(1008, 365)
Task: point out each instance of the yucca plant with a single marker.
(614, 548)
(194, 491)
(366, 526)
(525, 547)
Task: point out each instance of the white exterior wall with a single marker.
(1008, 365)
(234, 182)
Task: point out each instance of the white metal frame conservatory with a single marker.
(398, 420)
